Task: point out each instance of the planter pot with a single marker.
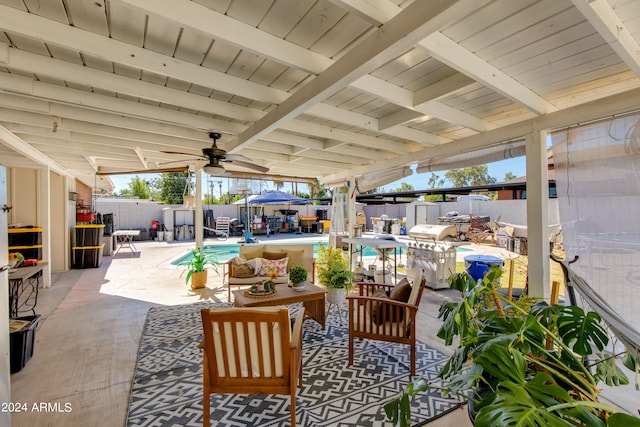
(198, 279)
(298, 286)
(335, 295)
(480, 393)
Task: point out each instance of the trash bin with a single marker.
(478, 265)
(21, 339)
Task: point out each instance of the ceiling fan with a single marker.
(216, 155)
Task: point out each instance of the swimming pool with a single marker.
(223, 253)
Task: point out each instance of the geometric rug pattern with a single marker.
(167, 384)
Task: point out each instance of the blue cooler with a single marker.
(478, 265)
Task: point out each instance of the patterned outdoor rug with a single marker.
(167, 385)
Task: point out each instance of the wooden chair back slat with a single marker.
(251, 351)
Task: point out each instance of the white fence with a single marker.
(138, 214)
(510, 211)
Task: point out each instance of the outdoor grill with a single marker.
(435, 261)
(430, 232)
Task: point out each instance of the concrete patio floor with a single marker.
(92, 320)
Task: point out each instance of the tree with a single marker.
(228, 199)
(435, 181)
(472, 175)
(509, 175)
(171, 187)
(404, 186)
(319, 190)
(138, 187)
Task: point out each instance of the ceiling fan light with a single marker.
(213, 170)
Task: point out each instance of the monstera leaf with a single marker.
(623, 420)
(608, 371)
(545, 313)
(632, 363)
(574, 326)
(502, 362)
(513, 405)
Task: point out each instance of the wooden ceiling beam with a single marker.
(606, 21)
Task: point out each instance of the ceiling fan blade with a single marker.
(180, 153)
(183, 161)
(143, 171)
(237, 158)
(249, 165)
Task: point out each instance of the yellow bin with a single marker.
(326, 225)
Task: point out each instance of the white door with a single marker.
(5, 376)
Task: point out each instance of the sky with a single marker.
(418, 181)
(496, 170)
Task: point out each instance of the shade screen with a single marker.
(598, 185)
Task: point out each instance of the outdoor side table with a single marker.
(23, 289)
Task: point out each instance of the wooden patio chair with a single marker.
(480, 231)
(251, 351)
(374, 315)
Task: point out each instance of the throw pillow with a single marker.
(296, 258)
(377, 315)
(381, 313)
(242, 271)
(401, 291)
(250, 252)
(274, 255)
(278, 266)
(241, 268)
(255, 264)
(238, 260)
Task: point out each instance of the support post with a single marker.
(199, 217)
(44, 213)
(539, 270)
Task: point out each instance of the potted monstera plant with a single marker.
(197, 267)
(526, 367)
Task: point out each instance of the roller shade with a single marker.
(475, 157)
(379, 178)
(340, 182)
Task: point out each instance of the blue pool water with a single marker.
(224, 253)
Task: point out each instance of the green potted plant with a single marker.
(197, 268)
(521, 367)
(298, 276)
(333, 273)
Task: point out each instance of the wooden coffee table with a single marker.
(312, 297)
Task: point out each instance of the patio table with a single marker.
(382, 246)
(311, 296)
(125, 239)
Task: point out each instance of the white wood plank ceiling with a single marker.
(309, 88)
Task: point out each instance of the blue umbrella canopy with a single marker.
(274, 196)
